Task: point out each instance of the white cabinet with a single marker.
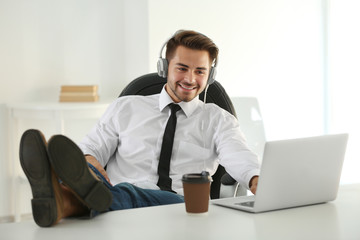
(71, 119)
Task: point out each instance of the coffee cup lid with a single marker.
(203, 177)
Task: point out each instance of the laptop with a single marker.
(295, 172)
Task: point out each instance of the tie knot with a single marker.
(174, 108)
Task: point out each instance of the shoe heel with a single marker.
(44, 211)
(99, 198)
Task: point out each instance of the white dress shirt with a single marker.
(129, 135)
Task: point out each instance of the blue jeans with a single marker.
(126, 195)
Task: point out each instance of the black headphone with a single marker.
(162, 67)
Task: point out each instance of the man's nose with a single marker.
(190, 77)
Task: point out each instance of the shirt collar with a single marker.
(187, 107)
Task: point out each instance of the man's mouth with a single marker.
(187, 87)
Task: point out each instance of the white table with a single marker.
(336, 220)
(55, 113)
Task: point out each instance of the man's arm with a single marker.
(92, 160)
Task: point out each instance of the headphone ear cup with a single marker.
(162, 67)
(212, 75)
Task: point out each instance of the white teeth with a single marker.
(188, 88)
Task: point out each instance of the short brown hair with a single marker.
(192, 40)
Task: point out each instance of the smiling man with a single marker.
(70, 180)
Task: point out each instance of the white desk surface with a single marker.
(336, 220)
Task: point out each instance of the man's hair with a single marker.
(192, 40)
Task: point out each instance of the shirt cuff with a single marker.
(251, 174)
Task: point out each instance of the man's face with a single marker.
(187, 74)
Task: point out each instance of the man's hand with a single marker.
(92, 160)
(253, 184)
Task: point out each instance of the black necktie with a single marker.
(164, 181)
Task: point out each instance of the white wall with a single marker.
(268, 49)
(46, 43)
(344, 52)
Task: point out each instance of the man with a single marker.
(128, 141)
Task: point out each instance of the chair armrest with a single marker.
(227, 180)
(231, 188)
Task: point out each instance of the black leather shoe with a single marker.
(47, 205)
(70, 165)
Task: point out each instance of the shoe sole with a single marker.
(69, 163)
(47, 201)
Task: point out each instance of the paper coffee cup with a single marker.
(197, 192)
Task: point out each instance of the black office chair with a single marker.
(152, 84)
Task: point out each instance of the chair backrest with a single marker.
(152, 84)
(249, 116)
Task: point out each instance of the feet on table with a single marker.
(44, 164)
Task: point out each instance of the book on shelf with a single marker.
(79, 88)
(79, 98)
(79, 93)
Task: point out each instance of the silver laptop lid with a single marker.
(300, 172)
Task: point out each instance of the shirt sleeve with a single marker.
(233, 152)
(102, 141)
